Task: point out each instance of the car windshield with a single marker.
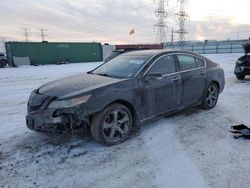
(122, 66)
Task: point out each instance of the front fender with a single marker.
(127, 91)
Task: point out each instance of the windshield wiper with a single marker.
(108, 75)
(104, 74)
(90, 72)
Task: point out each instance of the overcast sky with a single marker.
(111, 20)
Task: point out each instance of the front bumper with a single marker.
(45, 122)
(242, 70)
(41, 118)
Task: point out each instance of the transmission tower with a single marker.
(161, 15)
(42, 34)
(26, 34)
(182, 17)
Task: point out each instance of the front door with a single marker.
(162, 94)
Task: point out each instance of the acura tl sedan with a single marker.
(114, 99)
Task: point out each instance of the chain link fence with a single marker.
(211, 47)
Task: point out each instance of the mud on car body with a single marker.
(242, 66)
(115, 98)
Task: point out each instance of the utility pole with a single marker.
(161, 15)
(172, 38)
(2, 46)
(42, 34)
(26, 34)
(182, 17)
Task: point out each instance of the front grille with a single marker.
(34, 108)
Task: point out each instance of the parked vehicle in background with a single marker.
(123, 48)
(3, 60)
(115, 98)
(242, 67)
(115, 53)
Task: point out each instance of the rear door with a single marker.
(193, 72)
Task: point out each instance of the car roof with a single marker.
(156, 52)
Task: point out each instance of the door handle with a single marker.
(175, 79)
(202, 72)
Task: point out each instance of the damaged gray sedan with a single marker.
(114, 99)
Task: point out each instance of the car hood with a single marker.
(75, 85)
(246, 48)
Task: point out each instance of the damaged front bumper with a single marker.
(45, 122)
(41, 118)
(57, 121)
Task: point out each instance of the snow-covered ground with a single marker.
(192, 149)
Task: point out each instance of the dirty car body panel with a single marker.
(151, 90)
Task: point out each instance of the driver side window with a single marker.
(164, 65)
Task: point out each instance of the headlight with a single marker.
(242, 68)
(70, 102)
(238, 62)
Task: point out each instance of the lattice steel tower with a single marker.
(161, 14)
(182, 17)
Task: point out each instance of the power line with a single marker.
(161, 14)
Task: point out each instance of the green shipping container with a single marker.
(43, 53)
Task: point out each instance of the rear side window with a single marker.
(199, 62)
(164, 65)
(186, 62)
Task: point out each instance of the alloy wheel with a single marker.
(212, 95)
(116, 125)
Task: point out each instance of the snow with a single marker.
(189, 149)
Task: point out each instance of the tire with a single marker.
(3, 63)
(210, 97)
(112, 125)
(240, 76)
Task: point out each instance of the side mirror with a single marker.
(153, 76)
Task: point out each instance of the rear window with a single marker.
(200, 62)
(186, 62)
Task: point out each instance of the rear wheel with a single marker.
(112, 125)
(240, 76)
(211, 96)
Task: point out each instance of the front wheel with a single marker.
(112, 125)
(210, 97)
